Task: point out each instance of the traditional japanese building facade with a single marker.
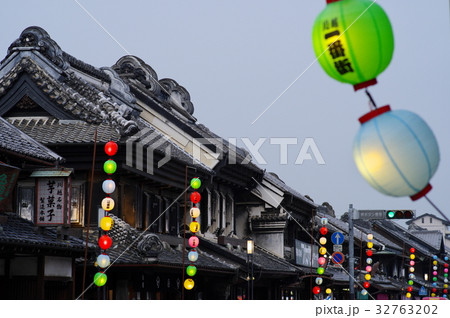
(69, 109)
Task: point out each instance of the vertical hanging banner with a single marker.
(194, 227)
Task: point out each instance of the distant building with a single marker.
(431, 222)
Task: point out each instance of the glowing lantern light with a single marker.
(412, 256)
(191, 270)
(196, 183)
(364, 292)
(434, 273)
(104, 242)
(189, 283)
(412, 263)
(320, 270)
(103, 260)
(408, 295)
(433, 290)
(328, 290)
(369, 261)
(370, 236)
(194, 212)
(322, 250)
(324, 221)
(369, 253)
(106, 223)
(435, 268)
(100, 279)
(107, 204)
(108, 186)
(369, 244)
(193, 241)
(445, 270)
(194, 227)
(411, 269)
(323, 230)
(368, 268)
(367, 276)
(111, 148)
(410, 282)
(319, 280)
(316, 290)
(193, 256)
(321, 260)
(323, 240)
(366, 285)
(435, 262)
(434, 257)
(353, 41)
(412, 250)
(410, 289)
(396, 152)
(195, 197)
(110, 166)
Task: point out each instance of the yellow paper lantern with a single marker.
(408, 295)
(412, 256)
(106, 223)
(369, 244)
(322, 250)
(367, 276)
(328, 290)
(435, 262)
(323, 240)
(189, 283)
(194, 227)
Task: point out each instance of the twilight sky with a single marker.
(236, 57)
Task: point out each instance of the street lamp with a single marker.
(250, 249)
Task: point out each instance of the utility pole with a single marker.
(351, 252)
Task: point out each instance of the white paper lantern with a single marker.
(108, 186)
(396, 152)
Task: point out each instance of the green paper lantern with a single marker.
(320, 270)
(410, 282)
(434, 279)
(110, 166)
(353, 41)
(100, 279)
(196, 183)
(191, 270)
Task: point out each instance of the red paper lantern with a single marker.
(445, 265)
(366, 285)
(323, 230)
(111, 148)
(409, 289)
(412, 250)
(104, 242)
(195, 197)
(445, 291)
(433, 290)
(316, 290)
(369, 253)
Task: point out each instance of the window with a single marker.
(77, 204)
(25, 200)
(431, 220)
(423, 220)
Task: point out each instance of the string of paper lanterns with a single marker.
(322, 260)
(106, 223)
(194, 227)
(435, 276)
(445, 290)
(411, 274)
(369, 262)
(395, 151)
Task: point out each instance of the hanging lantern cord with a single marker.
(437, 209)
(372, 101)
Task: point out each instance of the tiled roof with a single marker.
(18, 231)
(54, 131)
(434, 238)
(14, 140)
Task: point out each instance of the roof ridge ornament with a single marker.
(37, 38)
